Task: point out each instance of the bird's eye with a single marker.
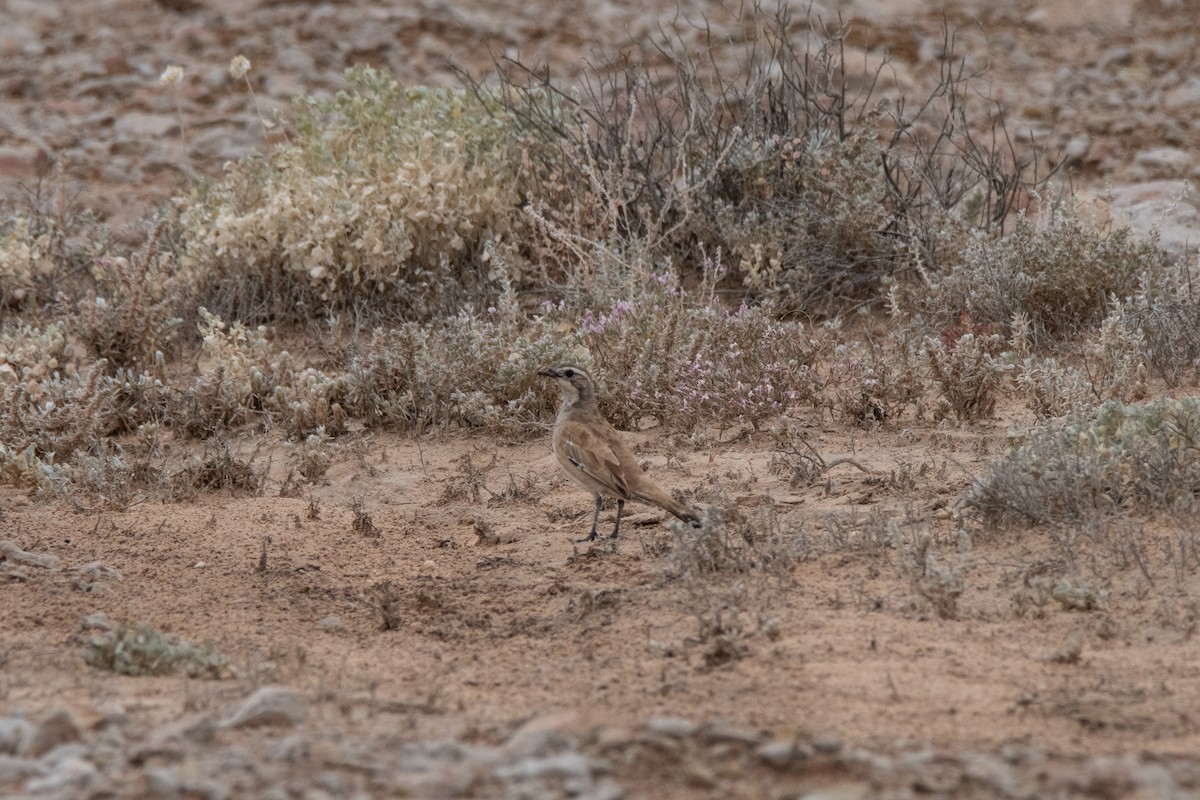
(570, 373)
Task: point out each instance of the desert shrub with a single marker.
(56, 418)
(1138, 458)
(731, 571)
(132, 316)
(47, 238)
(940, 585)
(246, 380)
(1171, 332)
(817, 194)
(684, 356)
(1057, 272)
(1110, 364)
(877, 378)
(22, 257)
(49, 410)
(218, 468)
(386, 194)
(471, 371)
(144, 650)
(969, 370)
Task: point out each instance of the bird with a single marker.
(592, 454)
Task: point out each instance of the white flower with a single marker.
(171, 75)
(239, 66)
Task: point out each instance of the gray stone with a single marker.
(603, 790)
(724, 732)
(14, 769)
(97, 621)
(827, 746)
(676, 727)
(140, 125)
(59, 728)
(1077, 148)
(65, 752)
(10, 552)
(14, 733)
(1184, 97)
(331, 623)
(562, 765)
(73, 773)
(1161, 206)
(778, 754)
(270, 705)
(847, 790)
(94, 577)
(169, 740)
(163, 782)
(1166, 161)
(293, 59)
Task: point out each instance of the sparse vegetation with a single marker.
(911, 390)
(144, 650)
(1141, 459)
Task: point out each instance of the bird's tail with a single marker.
(670, 504)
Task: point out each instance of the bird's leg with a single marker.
(591, 537)
(617, 528)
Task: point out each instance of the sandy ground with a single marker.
(502, 617)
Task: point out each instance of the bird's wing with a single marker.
(601, 458)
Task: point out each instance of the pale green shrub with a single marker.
(22, 257)
(1057, 271)
(1135, 458)
(145, 650)
(386, 193)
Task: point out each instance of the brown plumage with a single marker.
(592, 454)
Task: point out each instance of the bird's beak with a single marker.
(549, 373)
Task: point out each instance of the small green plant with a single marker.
(1140, 458)
(144, 650)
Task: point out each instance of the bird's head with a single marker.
(576, 385)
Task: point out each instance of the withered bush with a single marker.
(816, 193)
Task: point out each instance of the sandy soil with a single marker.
(502, 618)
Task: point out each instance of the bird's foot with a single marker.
(591, 537)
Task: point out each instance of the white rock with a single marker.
(74, 773)
(14, 770)
(562, 765)
(1167, 161)
(676, 727)
(14, 733)
(270, 705)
